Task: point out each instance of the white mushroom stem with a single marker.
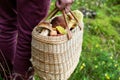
(44, 32)
(53, 33)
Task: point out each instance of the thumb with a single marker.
(67, 8)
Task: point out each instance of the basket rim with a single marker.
(53, 39)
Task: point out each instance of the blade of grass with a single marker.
(3, 71)
(9, 72)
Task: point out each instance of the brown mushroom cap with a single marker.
(45, 25)
(58, 21)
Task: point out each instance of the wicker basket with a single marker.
(55, 58)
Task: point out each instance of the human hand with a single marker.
(64, 4)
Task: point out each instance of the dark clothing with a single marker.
(17, 20)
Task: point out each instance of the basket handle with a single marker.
(69, 34)
(51, 14)
(79, 24)
(54, 12)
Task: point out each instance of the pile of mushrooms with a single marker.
(57, 26)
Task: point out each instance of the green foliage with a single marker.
(99, 65)
(112, 2)
(89, 3)
(1, 78)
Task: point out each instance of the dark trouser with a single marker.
(17, 20)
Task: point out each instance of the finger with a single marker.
(60, 5)
(67, 8)
(69, 1)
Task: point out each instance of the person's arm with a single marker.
(64, 4)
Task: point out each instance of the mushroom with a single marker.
(61, 30)
(58, 21)
(53, 33)
(45, 28)
(72, 24)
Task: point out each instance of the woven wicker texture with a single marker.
(55, 58)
